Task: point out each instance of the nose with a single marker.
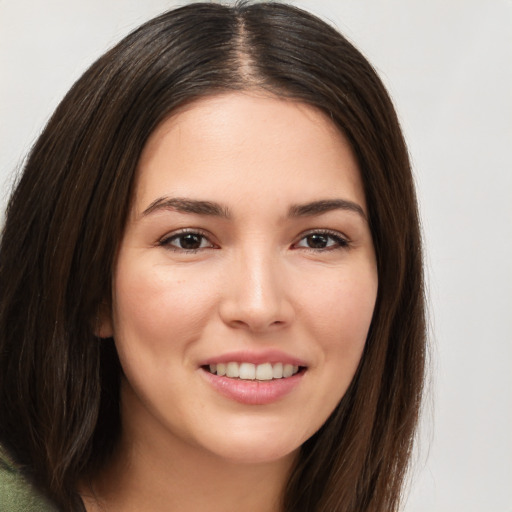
(256, 295)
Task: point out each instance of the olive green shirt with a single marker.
(17, 494)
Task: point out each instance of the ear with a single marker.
(103, 327)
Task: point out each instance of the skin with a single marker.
(256, 279)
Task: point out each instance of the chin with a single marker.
(262, 453)
(255, 441)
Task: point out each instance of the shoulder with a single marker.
(16, 493)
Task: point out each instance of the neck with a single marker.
(147, 476)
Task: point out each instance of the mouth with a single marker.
(249, 371)
(256, 383)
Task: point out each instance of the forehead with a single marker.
(247, 144)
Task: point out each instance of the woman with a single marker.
(211, 278)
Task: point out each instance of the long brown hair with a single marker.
(59, 384)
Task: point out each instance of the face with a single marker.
(246, 279)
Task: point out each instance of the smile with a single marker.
(250, 371)
(264, 381)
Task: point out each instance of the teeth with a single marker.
(264, 371)
(277, 371)
(249, 371)
(289, 370)
(233, 370)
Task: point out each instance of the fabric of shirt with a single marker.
(17, 494)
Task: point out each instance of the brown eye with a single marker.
(320, 240)
(188, 241)
(317, 241)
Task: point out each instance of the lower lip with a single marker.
(253, 392)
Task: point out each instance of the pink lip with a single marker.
(252, 392)
(260, 357)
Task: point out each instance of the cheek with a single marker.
(338, 313)
(156, 306)
(342, 309)
(339, 317)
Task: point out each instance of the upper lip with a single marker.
(255, 357)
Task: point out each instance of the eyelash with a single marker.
(340, 242)
(167, 241)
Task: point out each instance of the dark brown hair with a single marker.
(59, 384)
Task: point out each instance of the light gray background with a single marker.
(447, 64)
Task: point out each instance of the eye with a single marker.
(186, 241)
(322, 240)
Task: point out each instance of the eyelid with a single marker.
(343, 242)
(165, 241)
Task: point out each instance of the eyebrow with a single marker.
(187, 206)
(323, 206)
(211, 208)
